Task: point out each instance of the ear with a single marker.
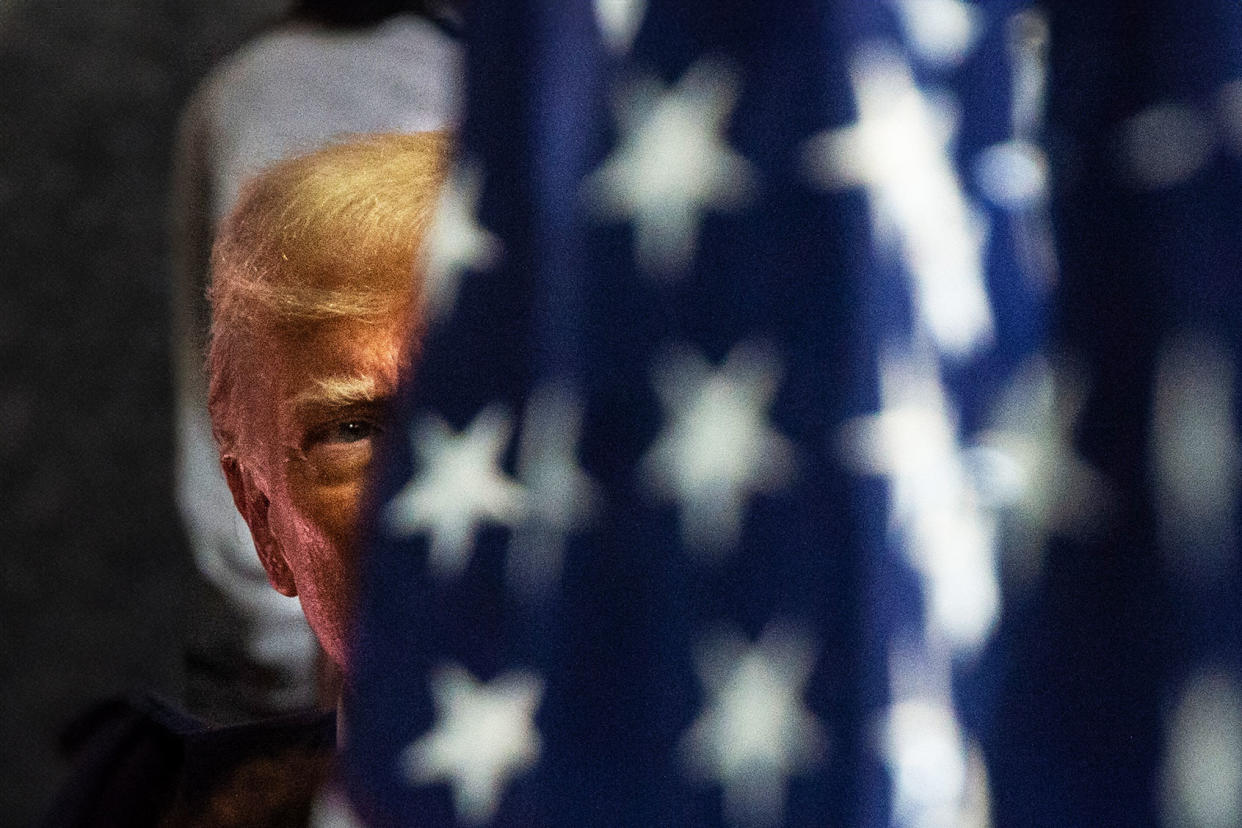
(252, 502)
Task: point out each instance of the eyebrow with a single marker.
(341, 392)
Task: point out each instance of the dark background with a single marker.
(95, 572)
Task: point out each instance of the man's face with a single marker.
(330, 389)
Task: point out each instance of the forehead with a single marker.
(333, 352)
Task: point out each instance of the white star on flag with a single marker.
(562, 498)
(1026, 462)
(484, 737)
(672, 165)
(937, 779)
(1029, 33)
(1013, 174)
(949, 538)
(455, 241)
(459, 487)
(1166, 145)
(331, 809)
(1229, 115)
(755, 732)
(941, 32)
(619, 21)
(716, 448)
(1201, 781)
(1196, 456)
(899, 150)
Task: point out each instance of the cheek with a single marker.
(332, 511)
(334, 478)
(330, 464)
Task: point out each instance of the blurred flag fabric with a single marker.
(773, 461)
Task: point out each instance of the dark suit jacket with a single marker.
(140, 762)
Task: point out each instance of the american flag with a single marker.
(773, 461)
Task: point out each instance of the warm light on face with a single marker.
(315, 296)
(330, 395)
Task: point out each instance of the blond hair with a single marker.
(334, 234)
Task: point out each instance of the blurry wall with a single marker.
(94, 571)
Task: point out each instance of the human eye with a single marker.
(343, 427)
(351, 431)
(341, 448)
